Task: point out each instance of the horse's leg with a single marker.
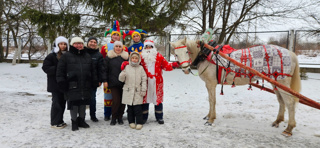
(207, 116)
(282, 109)
(290, 103)
(211, 88)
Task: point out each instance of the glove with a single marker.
(175, 64)
(124, 64)
(143, 93)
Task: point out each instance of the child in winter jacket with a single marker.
(49, 66)
(134, 90)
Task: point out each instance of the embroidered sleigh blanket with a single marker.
(270, 60)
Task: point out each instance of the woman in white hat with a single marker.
(75, 75)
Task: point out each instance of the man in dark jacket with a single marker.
(75, 75)
(98, 63)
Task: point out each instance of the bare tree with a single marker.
(229, 16)
(1, 24)
(313, 17)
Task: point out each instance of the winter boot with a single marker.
(139, 126)
(160, 121)
(82, 123)
(113, 122)
(120, 121)
(74, 125)
(132, 125)
(94, 119)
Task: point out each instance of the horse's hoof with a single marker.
(287, 134)
(206, 118)
(275, 125)
(208, 124)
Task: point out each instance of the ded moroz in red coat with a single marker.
(160, 64)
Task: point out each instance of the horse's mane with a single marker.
(192, 48)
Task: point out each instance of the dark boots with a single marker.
(82, 123)
(113, 122)
(120, 121)
(74, 125)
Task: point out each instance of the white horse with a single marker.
(187, 50)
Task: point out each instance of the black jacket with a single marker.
(50, 67)
(113, 70)
(98, 64)
(75, 75)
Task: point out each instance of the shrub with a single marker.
(33, 64)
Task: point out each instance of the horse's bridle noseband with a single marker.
(189, 61)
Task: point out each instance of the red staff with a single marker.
(302, 99)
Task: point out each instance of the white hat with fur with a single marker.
(58, 40)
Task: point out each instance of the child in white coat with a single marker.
(134, 90)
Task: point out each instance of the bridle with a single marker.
(189, 61)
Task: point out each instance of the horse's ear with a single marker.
(184, 40)
(172, 44)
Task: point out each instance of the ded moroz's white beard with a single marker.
(149, 55)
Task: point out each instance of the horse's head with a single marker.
(182, 53)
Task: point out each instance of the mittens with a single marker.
(175, 64)
(124, 64)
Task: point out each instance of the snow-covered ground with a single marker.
(243, 117)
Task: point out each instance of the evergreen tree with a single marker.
(151, 15)
(51, 25)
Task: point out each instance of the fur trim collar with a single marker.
(124, 55)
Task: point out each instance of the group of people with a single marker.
(131, 77)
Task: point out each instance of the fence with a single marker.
(300, 41)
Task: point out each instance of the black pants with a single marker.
(57, 108)
(158, 111)
(93, 103)
(135, 114)
(117, 107)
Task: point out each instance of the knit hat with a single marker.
(149, 43)
(135, 55)
(118, 43)
(76, 40)
(58, 40)
(137, 31)
(114, 29)
(92, 38)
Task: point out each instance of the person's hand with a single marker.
(143, 93)
(105, 84)
(175, 64)
(124, 64)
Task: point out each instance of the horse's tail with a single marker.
(295, 80)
